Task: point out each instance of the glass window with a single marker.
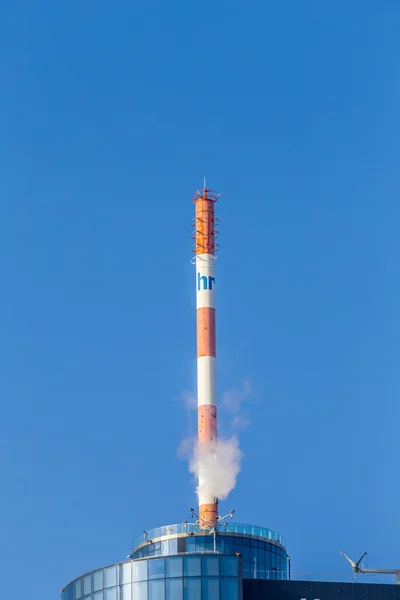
(165, 548)
(209, 543)
(254, 543)
(125, 573)
(98, 596)
(181, 545)
(200, 544)
(229, 589)
(68, 592)
(111, 594)
(246, 554)
(246, 570)
(110, 577)
(174, 589)
(97, 582)
(173, 546)
(78, 588)
(192, 589)
(246, 541)
(228, 546)
(190, 545)
(174, 567)
(139, 570)
(210, 588)
(229, 566)
(157, 590)
(139, 590)
(210, 566)
(191, 566)
(125, 592)
(156, 568)
(254, 555)
(87, 585)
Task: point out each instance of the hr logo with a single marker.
(204, 282)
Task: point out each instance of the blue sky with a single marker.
(111, 113)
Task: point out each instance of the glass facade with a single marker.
(186, 563)
(262, 559)
(191, 528)
(211, 577)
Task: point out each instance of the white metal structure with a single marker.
(360, 569)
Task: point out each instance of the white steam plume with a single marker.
(219, 465)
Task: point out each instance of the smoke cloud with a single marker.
(218, 464)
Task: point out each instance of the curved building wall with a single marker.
(262, 559)
(195, 577)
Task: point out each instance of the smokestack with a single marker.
(205, 234)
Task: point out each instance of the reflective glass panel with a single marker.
(157, 590)
(200, 544)
(174, 567)
(97, 582)
(191, 566)
(156, 568)
(139, 570)
(174, 589)
(111, 594)
(229, 566)
(125, 573)
(125, 592)
(228, 546)
(209, 543)
(165, 548)
(192, 589)
(229, 588)
(210, 566)
(98, 596)
(87, 585)
(68, 593)
(209, 588)
(78, 588)
(246, 570)
(110, 577)
(190, 545)
(139, 591)
(173, 546)
(268, 560)
(246, 554)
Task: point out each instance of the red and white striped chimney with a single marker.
(205, 234)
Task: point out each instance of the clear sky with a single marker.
(111, 113)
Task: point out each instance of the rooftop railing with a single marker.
(225, 528)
